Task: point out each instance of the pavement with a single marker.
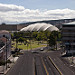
(74, 60)
(3, 69)
(71, 59)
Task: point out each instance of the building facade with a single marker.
(68, 37)
(5, 50)
(11, 27)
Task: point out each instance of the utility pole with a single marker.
(30, 40)
(6, 53)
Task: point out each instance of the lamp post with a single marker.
(30, 40)
(16, 44)
(6, 51)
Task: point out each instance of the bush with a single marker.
(2, 62)
(8, 61)
(14, 55)
(19, 53)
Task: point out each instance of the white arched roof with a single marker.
(44, 27)
(52, 28)
(24, 29)
(30, 28)
(40, 27)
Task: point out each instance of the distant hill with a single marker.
(57, 23)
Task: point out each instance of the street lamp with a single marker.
(6, 50)
(30, 40)
(6, 53)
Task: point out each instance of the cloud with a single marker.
(16, 14)
(10, 7)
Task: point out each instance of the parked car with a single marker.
(34, 51)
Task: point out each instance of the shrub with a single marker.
(2, 62)
(8, 61)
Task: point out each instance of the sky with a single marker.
(18, 11)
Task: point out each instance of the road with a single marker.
(40, 63)
(23, 66)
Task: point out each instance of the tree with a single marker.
(12, 36)
(34, 34)
(53, 38)
(3, 23)
(21, 39)
(47, 34)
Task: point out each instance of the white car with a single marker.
(41, 49)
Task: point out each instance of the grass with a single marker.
(33, 45)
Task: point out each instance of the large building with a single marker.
(18, 27)
(68, 37)
(5, 44)
(40, 27)
(11, 27)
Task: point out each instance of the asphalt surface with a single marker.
(61, 64)
(38, 63)
(39, 66)
(50, 67)
(23, 66)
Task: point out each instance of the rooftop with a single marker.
(40, 27)
(3, 39)
(4, 31)
(71, 23)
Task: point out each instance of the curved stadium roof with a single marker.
(40, 27)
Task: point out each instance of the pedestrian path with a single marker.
(3, 69)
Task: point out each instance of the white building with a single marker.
(40, 27)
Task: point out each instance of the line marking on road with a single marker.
(55, 65)
(34, 67)
(44, 66)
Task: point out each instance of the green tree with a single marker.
(21, 39)
(53, 38)
(39, 38)
(34, 34)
